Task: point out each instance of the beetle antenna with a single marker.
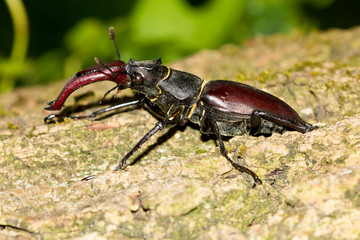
(112, 37)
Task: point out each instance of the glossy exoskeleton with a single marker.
(223, 108)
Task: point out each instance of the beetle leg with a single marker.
(159, 126)
(256, 122)
(101, 111)
(107, 93)
(96, 113)
(224, 152)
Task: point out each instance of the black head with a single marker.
(145, 75)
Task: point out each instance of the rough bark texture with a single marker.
(178, 186)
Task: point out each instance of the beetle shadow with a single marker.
(69, 112)
(208, 137)
(170, 133)
(162, 139)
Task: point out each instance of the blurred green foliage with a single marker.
(170, 29)
(15, 66)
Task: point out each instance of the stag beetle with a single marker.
(223, 108)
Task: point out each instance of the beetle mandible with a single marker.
(223, 108)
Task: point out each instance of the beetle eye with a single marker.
(138, 79)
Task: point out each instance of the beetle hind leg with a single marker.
(256, 127)
(224, 152)
(255, 123)
(310, 127)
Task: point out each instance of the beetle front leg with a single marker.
(101, 111)
(159, 126)
(224, 152)
(96, 113)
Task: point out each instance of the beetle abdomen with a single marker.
(242, 100)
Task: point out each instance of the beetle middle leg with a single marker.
(159, 126)
(224, 152)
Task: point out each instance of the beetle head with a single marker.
(145, 75)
